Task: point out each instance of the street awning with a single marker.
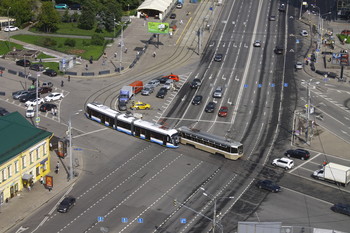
(27, 176)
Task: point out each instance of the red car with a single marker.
(223, 111)
(173, 77)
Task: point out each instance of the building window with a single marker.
(44, 148)
(16, 166)
(31, 159)
(3, 173)
(38, 171)
(37, 153)
(9, 170)
(24, 165)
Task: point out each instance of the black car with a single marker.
(47, 107)
(218, 57)
(3, 112)
(28, 96)
(282, 8)
(122, 106)
(268, 185)
(162, 92)
(50, 72)
(298, 153)
(341, 208)
(278, 50)
(210, 107)
(163, 80)
(172, 16)
(22, 62)
(44, 90)
(75, 6)
(66, 204)
(195, 83)
(197, 100)
(36, 67)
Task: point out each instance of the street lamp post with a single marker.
(121, 45)
(213, 198)
(8, 24)
(71, 169)
(37, 120)
(114, 27)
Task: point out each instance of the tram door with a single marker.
(147, 135)
(137, 131)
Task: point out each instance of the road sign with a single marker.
(183, 220)
(100, 219)
(77, 149)
(37, 119)
(297, 41)
(211, 8)
(140, 220)
(245, 85)
(317, 50)
(259, 85)
(285, 84)
(124, 220)
(272, 85)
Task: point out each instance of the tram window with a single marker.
(124, 125)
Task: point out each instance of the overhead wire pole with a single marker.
(37, 119)
(8, 24)
(71, 169)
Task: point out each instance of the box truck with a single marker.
(333, 172)
(127, 92)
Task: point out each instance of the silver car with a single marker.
(147, 90)
(153, 83)
(16, 95)
(218, 92)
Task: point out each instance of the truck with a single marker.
(127, 92)
(333, 172)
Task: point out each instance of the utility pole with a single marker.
(8, 24)
(71, 169)
(37, 119)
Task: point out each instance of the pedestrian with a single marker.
(40, 60)
(29, 187)
(154, 54)
(53, 111)
(324, 163)
(181, 22)
(126, 50)
(1, 71)
(115, 55)
(56, 110)
(41, 180)
(68, 78)
(86, 67)
(62, 83)
(49, 188)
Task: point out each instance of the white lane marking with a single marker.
(314, 157)
(315, 198)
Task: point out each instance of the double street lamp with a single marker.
(8, 24)
(71, 169)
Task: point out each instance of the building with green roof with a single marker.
(24, 154)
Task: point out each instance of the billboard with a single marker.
(158, 28)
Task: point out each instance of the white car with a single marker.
(257, 43)
(10, 29)
(153, 83)
(283, 163)
(34, 102)
(54, 96)
(304, 33)
(168, 84)
(30, 112)
(299, 65)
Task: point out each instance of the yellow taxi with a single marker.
(140, 105)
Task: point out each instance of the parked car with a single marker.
(168, 84)
(30, 95)
(210, 107)
(218, 92)
(345, 32)
(3, 112)
(24, 63)
(18, 94)
(34, 102)
(278, 50)
(147, 90)
(44, 90)
(283, 163)
(223, 111)
(75, 6)
(122, 106)
(173, 16)
(299, 65)
(47, 84)
(304, 33)
(36, 67)
(10, 29)
(197, 100)
(140, 105)
(298, 153)
(162, 93)
(179, 5)
(66, 204)
(218, 57)
(30, 112)
(47, 107)
(163, 79)
(269, 185)
(282, 8)
(196, 83)
(61, 6)
(153, 83)
(257, 43)
(50, 72)
(341, 208)
(54, 96)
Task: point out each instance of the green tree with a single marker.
(87, 18)
(48, 18)
(66, 17)
(21, 10)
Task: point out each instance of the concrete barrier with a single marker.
(12, 71)
(88, 73)
(104, 72)
(71, 73)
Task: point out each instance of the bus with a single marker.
(211, 143)
(133, 126)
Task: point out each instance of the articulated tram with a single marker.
(133, 126)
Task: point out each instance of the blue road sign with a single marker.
(245, 85)
(272, 85)
(259, 85)
(317, 50)
(124, 220)
(77, 149)
(325, 79)
(183, 220)
(100, 219)
(211, 8)
(297, 41)
(140, 220)
(285, 85)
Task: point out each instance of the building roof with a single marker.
(17, 135)
(158, 5)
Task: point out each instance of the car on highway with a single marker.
(283, 163)
(210, 107)
(218, 92)
(299, 65)
(162, 93)
(24, 63)
(195, 83)
(147, 90)
(34, 102)
(304, 33)
(272, 18)
(269, 185)
(218, 57)
(18, 94)
(153, 83)
(66, 204)
(173, 16)
(257, 43)
(179, 5)
(53, 96)
(140, 105)
(3, 112)
(168, 84)
(47, 107)
(10, 29)
(36, 67)
(278, 50)
(44, 90)
(298, 153)
(341, 208)
(50, 72)
(61, 6)
(30, 112)
(223, 111)
(30, 95)
(197, 100)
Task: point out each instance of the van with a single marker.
(137, 86)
